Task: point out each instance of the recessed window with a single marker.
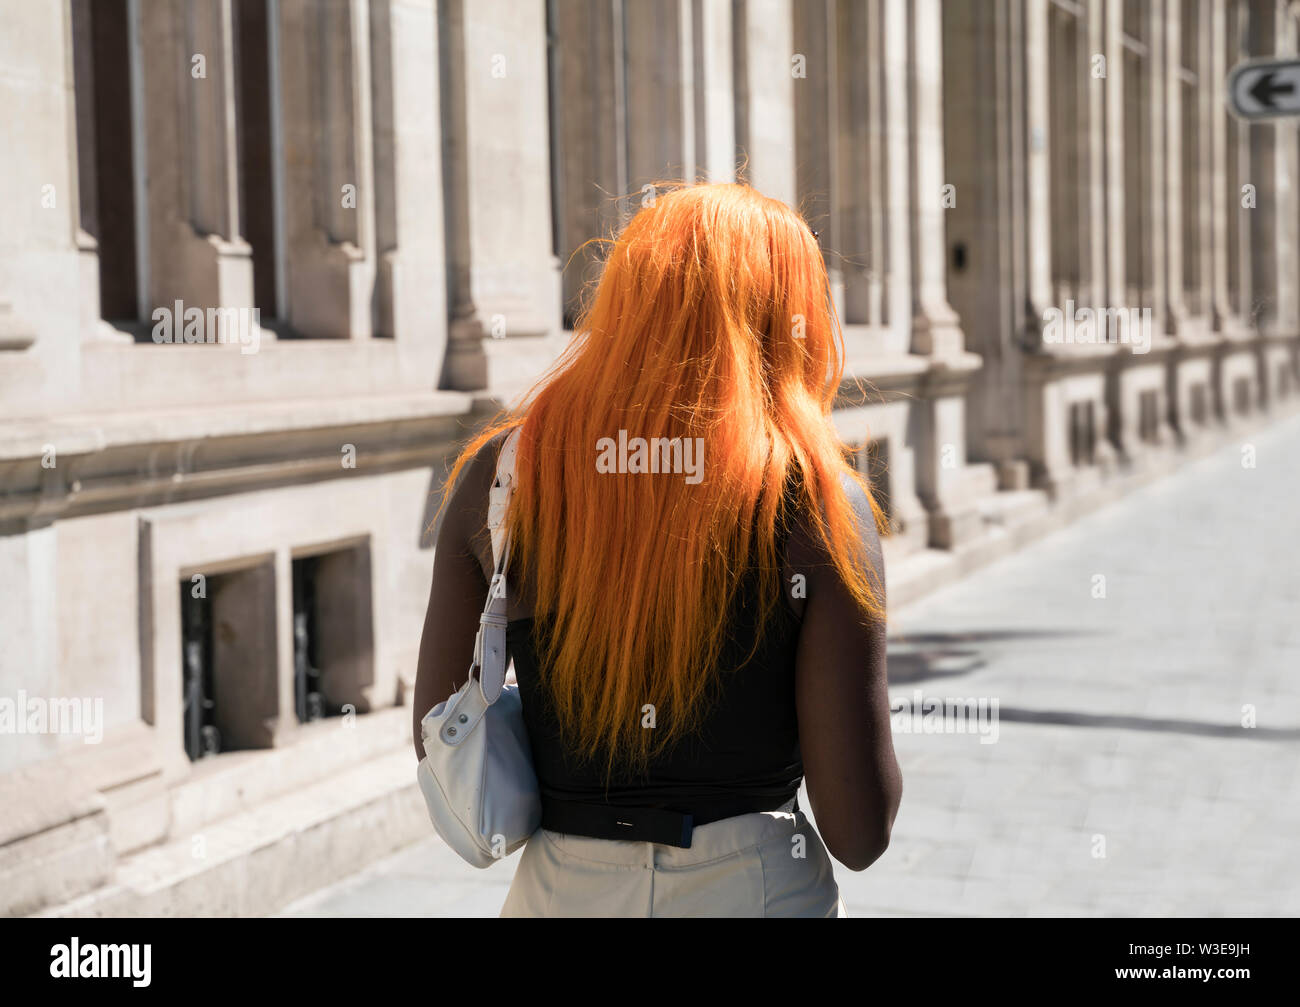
(875, 458)
(1083, 433)
(333, 635)
(228, 660)
(1241, 396)
(1200, 404)
(1149, 416)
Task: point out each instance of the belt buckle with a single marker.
(654, 825)
(604, 821)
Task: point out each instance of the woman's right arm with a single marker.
(850, 769)
(458, 591)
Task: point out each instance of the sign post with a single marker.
(1265, 89)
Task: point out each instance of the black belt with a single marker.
(643, 825)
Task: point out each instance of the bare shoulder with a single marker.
(806, 549)
(868, 532)
(480, 470)
(465, 517)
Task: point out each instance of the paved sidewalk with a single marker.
(1121, 781)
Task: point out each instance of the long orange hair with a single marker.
(711, 321)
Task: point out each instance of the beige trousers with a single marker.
(770, 863)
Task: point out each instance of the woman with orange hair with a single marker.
(696, 606)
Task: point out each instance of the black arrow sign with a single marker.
(1264, 90)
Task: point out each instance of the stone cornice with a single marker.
(898, 375)
(120, 461)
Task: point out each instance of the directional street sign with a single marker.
(1265, 88)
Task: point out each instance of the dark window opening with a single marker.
(1083, 433)
(198, 691)
(1149, 416)
(253, 118)
(1200, 405)
(105, 160)
(875, 458)
(307, 699)
(333, 636)
(228, 661)
(1241, 396)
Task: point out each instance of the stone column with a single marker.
(943, 476)
(1119, 400)
(936, 330)
(859, 198)
(1154, 183)
(660, 76)
(40, 348)
(643, 96)
(715, 120)
(1191, 379)
(196, 252)
(990, 230)
(329, 168)
(1240, 34)
(1034, 137)
(816, 95)
(1175, 308)
(1276, 215)
(765, 137)
(1234, 365)
(896, 164)
(1047, 394)
(1221, 308)
(1092, 229)
(504, 283)
(411, 288)
(1286, 323)
(591, 170)
(41, 296)
(1113, 134)
(1275, 220)
(1199, 233)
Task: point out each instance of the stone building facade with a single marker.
(265, 263)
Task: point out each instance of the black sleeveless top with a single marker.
(745, 755)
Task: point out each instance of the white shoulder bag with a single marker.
(477, 772)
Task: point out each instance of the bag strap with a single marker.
(490, 643)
